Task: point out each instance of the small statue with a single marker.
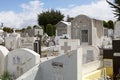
(1, 24)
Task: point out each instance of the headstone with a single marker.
(91, 61)
(67, 45)
(110, 33)
(90, 54)
(117, 30)
(105, 31)
(51, 43)
(113, 55)
(21, 60)
(3, 60)
(27, 42)
(40, 30)
(57, 40)
(1, 40)
(37, 47)
(107, 43)
(1, 32)
(12, 41)
(4, 34)
(108, 63)
(33, 31)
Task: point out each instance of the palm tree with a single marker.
(116, 7)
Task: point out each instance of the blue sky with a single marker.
(23, 13)
(64, 3)
(14, 5)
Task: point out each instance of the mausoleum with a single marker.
(63, 28)
(88, 30)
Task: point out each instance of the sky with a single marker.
(22, 13)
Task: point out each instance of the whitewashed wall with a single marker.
(47, 71)
(12, 42)
(72, 69)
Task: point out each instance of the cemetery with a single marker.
(80, 55)
(79, 48)
(80, 41)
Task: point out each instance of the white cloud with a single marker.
(98, 9)
(27, 17)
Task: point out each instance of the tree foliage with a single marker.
(69, 19)
(23, 29)
(105, 24)
(35, 26)
(6, 76)
(111, 24)
(29, 27)
(49, 17)
(54, 30)
(108, 24)
(50, 29)
(8, 30)
(116, 7)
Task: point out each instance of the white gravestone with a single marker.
(90, 59)
(90, 54)
(21, 60)
(12, 41)
(67, 45)
(1, 40)
(3, 53)
(27, 42)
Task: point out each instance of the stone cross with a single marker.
(66, 47)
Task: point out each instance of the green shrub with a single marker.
(6, 76)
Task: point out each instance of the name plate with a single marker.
(116, 54)
(108, 63)
(57, 64)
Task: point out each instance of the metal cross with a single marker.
(65, 47)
